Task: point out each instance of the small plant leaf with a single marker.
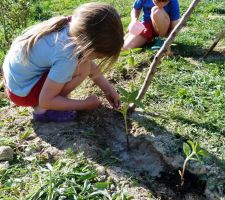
(123, 91)
(203, 152)
(197, 147)
(123, 99)
(131, 61)
(102, 185)
(136, 50)
(132, 87)
(186, 149)
(25, 135)
(133, 96)
(102, 192)
(139, 104)
(125, 53)
(191, 144)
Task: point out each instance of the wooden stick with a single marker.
(222, 33)
(158, 56)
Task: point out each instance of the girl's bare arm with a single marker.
(135, 14)
(50, 99)
(110, 93)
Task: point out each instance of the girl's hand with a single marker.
(92, 102)
(113, 98)
(111, 95)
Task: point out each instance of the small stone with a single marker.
(101, 170)
(6, 153)
(112, 187)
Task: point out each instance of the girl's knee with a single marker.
(154, 10)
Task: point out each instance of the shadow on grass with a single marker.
(101, 136)
(208, 126)
(219, 11)
(198, 52)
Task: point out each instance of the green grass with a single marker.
(68, 178)
(191, 99)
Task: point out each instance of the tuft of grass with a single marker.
(77, 181)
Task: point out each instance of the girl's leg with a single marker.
(160, 20)
(133, 41)
(40, 114)
(82, 71)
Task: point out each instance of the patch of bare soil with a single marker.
(221, 49)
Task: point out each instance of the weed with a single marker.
(129, 54)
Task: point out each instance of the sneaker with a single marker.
(157, 43)
(55, 116)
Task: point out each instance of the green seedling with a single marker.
(131, 58)
(127, 98)
(130, 55)
(192, 151)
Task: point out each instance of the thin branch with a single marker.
(219, 37)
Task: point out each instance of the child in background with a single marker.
(52, 58)
(159, 18)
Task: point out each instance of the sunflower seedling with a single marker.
(128, 97)
(193, 151)
(129, 54)
(131, 58)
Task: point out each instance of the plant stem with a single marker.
(126, 128)
(184, 166)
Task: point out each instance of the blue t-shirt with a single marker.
(172, 8)
(51, 53)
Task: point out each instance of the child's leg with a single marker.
(40, 114)
(160, 20)
(82, 71)
(133, 41)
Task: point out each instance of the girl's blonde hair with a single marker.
(95, 27)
